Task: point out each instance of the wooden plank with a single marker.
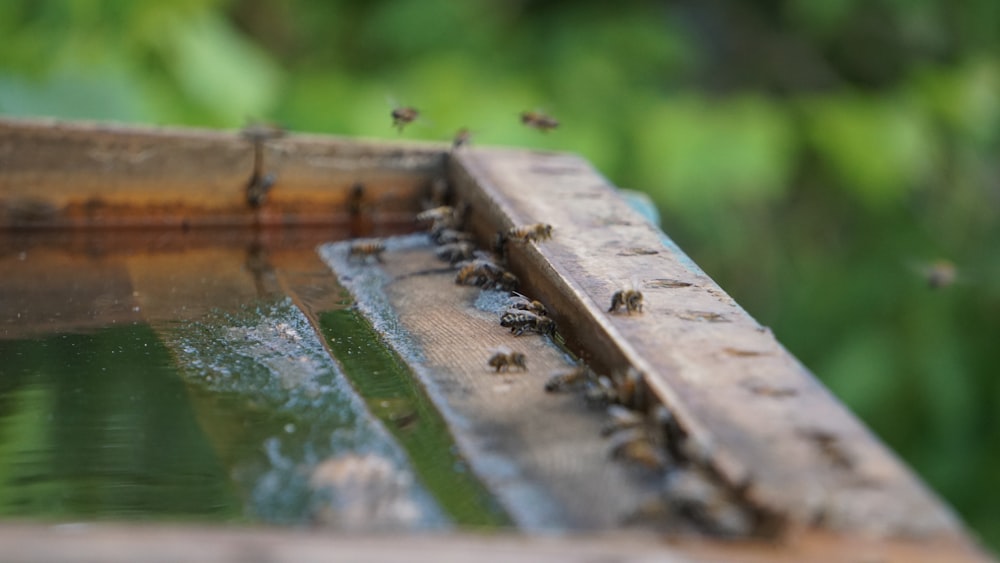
(57, 174)
(747, 411)
(111, 543)
(541, 454)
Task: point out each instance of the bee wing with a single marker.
(502, 350)
(634, 282)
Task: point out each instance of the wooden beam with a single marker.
(57, 174)
(746, 410)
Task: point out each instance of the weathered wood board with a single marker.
(746, 411)
(747, 408)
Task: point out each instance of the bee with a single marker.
(630, 299)
(940, 274)
(440, 213)
(696, 495)
(538, 231)
(522, 303)
(538, 120)
(636, 446)
(486, 274)
(504, 360)
(620, 419)
(629, 387)
(601, 391)
(401, 117)
(365, 248)
(566, 378)
(523, 321)
(455, 252)
(462, 138)
(441, 234)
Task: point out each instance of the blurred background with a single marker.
(833, 164)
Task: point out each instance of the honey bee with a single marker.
(504, 360)
(462, 138)
(522, 303)
(456, 252)
(940, 274)
(630, 299)
(566, 378)
(538, 231)
(486, 274)
(693, 493)
(621, 418)
(365, 248)
(601, 391)
(524, 321)
(440, 213)
(636, 446)
(629, 387)
(538, 120)
(401, 117)
(441, 234)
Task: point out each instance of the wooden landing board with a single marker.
(110, 543)
(541, 454)
(91, 175)
(750, 411)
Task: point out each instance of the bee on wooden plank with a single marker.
(366, 248)
(521, 303)
(628, 298)
(523, 321)
(538, 120)
(636, 446)
(564, 379)
(486, 274)
(629, 387)
(536, 232)
(504, 360)
(455, 252)
(621, 418)
(601, 391)
(443, 234)
(403, 116)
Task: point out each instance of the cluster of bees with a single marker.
(639, 431)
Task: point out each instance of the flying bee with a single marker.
(403, 116)
(538, 231)
(365, 248)
(939, 273)
(518, 302)
(628, 297)
(636, 446)
(564, 379)
(538, 120)
(620, 419)
(462, 138)
(524, 321)
(505, 360)
(455, 252)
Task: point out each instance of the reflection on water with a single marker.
(184, 384)
(98, 424)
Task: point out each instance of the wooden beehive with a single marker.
(809, 481)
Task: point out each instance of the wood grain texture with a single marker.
(762, 421)
(59, 174)
(541, 454)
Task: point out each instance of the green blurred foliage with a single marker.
(812, 155)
